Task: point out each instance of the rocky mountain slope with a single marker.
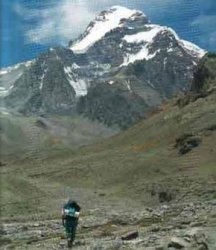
(9, 75)
(155, 181)
(121, 53)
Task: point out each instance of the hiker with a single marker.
(70, 217)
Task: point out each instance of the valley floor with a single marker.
(175, 226)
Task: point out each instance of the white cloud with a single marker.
(205, 21)
(60, 21)
(206, 27)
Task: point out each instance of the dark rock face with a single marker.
(186, 143)
(205, 75)
(112, 106)
(165, 196)
(124, 73)
(204, 81)
(43, 88)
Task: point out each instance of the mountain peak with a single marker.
(123, 8)
(131, 19)
(106, 21)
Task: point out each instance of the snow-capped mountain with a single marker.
(119, 68)
(103, 24)
(123, 18)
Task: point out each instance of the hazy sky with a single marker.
(29, 27)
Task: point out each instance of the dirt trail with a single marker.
(186, 226)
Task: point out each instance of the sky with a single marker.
(29, 27)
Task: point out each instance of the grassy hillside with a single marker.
(169, 156)
(22, 136)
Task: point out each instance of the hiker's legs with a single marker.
(71, 233)
(68, 233)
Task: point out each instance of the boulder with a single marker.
(186, 143)
(130, 236)
(165, 196)
(177, 243)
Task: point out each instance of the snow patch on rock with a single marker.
(141, 55)
(41, 81)
(144, 36)
(147, 38)
(192, 48)
(3, 91)
(189, 47)
(80, 86)
(103, 23)
(9, 69)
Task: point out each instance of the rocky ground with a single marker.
(169, 226)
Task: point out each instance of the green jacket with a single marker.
(69, 220)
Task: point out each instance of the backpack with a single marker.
(71, 208)
(69, 211)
